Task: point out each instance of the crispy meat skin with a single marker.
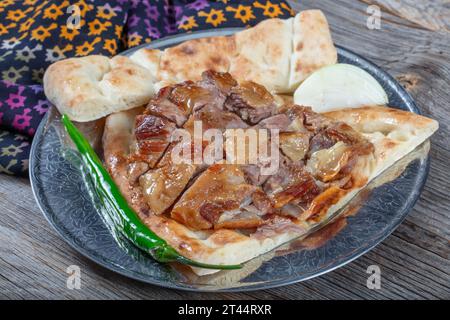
(178, 102)
(223, 81)
(161, 106)
(212, 118)
(163, 185)
(152, 135)
(316, 162)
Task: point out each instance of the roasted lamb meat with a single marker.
(221, 81)
(251, 101)
(162, 186)
(178, 102)
(220, 189)
(152, 137)
(315, 158)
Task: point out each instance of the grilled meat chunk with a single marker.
(278, 121)
(316, 162)
(334, 151)
(251, 101)
(161, 106)
(135, 170)
(295, 145)
(245, 218)
(303, 119)
(219, 189)
(253, 174)
(223, 81)
(177, 102)
(192, 97)
(262, 202)
(212, 118)
(163, 185)
(336, 132)
(292, 183)
(152, 136)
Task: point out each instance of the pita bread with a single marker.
(188, 60)
(276, 53)
(313, 47)
(263, 54)
(147, 58)
(92, 87)
(394, 133)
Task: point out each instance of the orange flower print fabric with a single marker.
(36, 33)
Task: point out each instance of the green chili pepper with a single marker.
(122, 215)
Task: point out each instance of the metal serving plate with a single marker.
(64, 198)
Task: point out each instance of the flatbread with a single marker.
(148, 58)
(263, 54)
(188, 60)
(394, 133)
(313, 47)
(92, 87)
(276, 53)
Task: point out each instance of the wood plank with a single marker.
(433, 15)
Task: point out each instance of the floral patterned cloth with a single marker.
(36, 33)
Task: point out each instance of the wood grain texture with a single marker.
(413, 44)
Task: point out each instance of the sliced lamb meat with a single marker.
(295, 145)
(253, 174)
(325, 164)
(136, 169)
(334, 152)
(192, 97)
(343, 132)
(177, 102)
(219, 189)
(319, 142)
(223, 81)
(317, 155)
(152, 136)
(303, 119)
(243, 218)
(117, 138)
(326, 138)
(277, 225)
(251, 101)
(266, 164)
(163, 185)
(314, 121)
(212, 118)
(161, 106)
(262, 202)
(292, 183)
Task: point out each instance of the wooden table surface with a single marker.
(413, 44)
